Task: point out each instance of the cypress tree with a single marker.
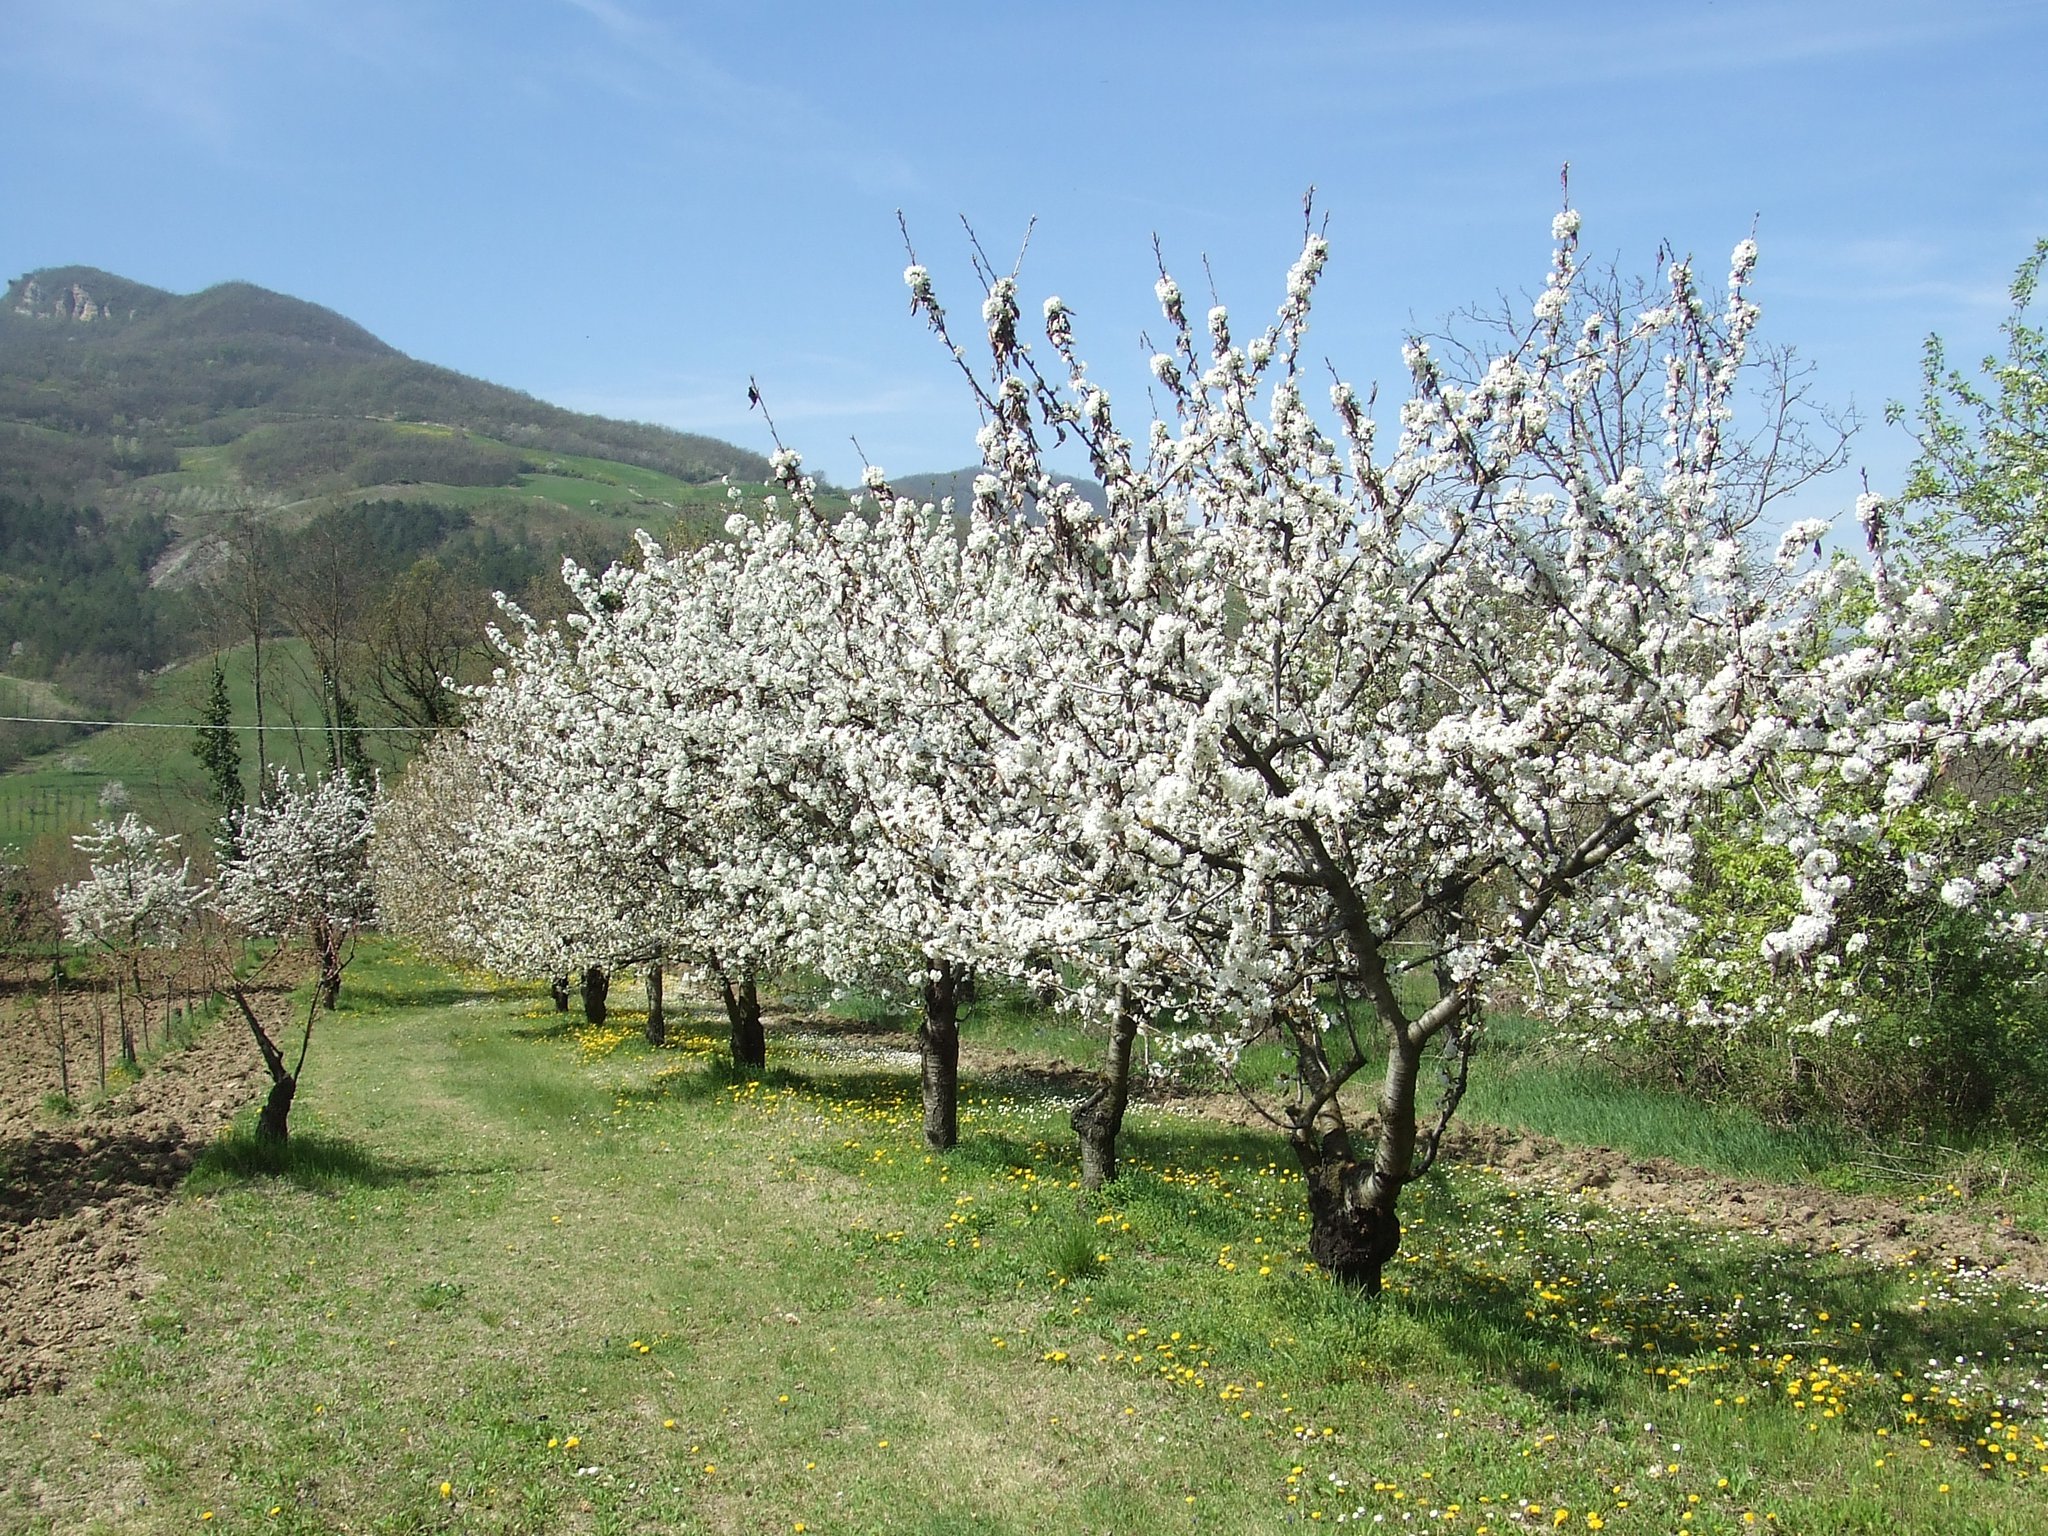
(218, 753)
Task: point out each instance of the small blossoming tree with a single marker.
(299, 870)
(139, 896)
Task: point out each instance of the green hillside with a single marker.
(158, 450)
(147, 765)
(105, 383)
(307, 467)
(181, 472)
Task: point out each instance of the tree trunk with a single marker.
(596, 988)
(1354, 1223)
(274, 1123)
(1099, 1118)
(330, 970)
(558, 989)
(63, 1039)
(938, 1045)
(127, 1029)
(1353, 1228)
(657, 1017)
(743, 1014)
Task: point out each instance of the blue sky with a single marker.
(631, 207)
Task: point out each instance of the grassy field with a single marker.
(60, 791)
(572, 482)
(1526, 1083)
(528, 1277)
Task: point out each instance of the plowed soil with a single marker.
(1927, 1233)
(79, 1197)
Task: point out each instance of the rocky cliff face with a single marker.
(71, 302)
(83, 295)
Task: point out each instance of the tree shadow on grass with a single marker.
(1579, 1308)
(308, 1160)
(719, 1078)
(1677, 1306)
(374, 993)
(1600, 1310)
(558, 1027)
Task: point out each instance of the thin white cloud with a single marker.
(1560, 53)
(190, 64)
(653, 63)
(616, 19)
(1901, 270)
(172, 60)
(700, 407)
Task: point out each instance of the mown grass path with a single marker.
(532, 1278)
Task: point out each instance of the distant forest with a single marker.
(76, 604)
(394, 589)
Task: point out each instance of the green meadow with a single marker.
(520, 1274)
(554, 483)
(150, 758)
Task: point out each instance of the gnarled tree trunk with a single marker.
(274, 1123)
(1354, 1223)
(558, 989)
(1354, 1229)
(938, 1045)
(596, 988)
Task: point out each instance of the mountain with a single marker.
(148, 439)
(258, 399)
(959, 484)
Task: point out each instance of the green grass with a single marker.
(308, 1161)
(1003, 1018)
(589, 1286)
(1519, 1084)
(59, 792)
(1582, 1103)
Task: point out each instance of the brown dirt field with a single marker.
(1872, 1227)
(79, 1197)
